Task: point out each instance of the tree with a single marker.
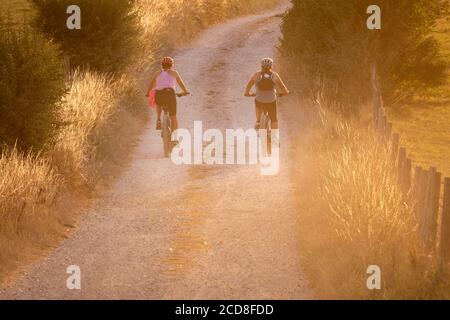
(107, 39)
(31, 84)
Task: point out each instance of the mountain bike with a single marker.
(166, 132)
(265, 125)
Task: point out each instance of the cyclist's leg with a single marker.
(258, 112)
(159, 102)
(158, 117)
(272, 109)
(158, 112)
(274, 132)
(174, 123)
(172, 106)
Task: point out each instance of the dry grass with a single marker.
(353, 215)
(18, 10)
(101, 115)
(28, 189)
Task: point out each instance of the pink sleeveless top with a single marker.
(165, 80)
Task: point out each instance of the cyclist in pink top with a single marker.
(164, 82)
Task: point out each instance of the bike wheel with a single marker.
(167, 137)
(263, 121)
(265, 125)
(269, 136)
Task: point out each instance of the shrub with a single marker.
(102, 114)
(106, 41)
(31, 82)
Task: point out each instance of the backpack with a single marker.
(266, 82)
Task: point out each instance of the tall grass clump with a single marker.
(354, 215)
(31, 84)
(29, 187)
(100, 114)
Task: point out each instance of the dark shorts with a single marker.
(271, 108)
(167, 98)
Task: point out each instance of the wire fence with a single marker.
(424, 189)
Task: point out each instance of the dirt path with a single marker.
(190, 232)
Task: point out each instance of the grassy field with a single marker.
(424, 124)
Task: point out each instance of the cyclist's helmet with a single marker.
(266, 63)
(167, 63)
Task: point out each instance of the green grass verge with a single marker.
(424, 124)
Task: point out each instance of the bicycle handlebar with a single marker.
(179, 95)
(279, 95)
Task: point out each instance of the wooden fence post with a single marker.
(395, 146)
(421, 198)
(406, 176)
(415, 191)
(423, 193)
(435, 205)
(430, 207)
(445, 223)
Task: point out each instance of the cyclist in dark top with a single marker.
(266, 82)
